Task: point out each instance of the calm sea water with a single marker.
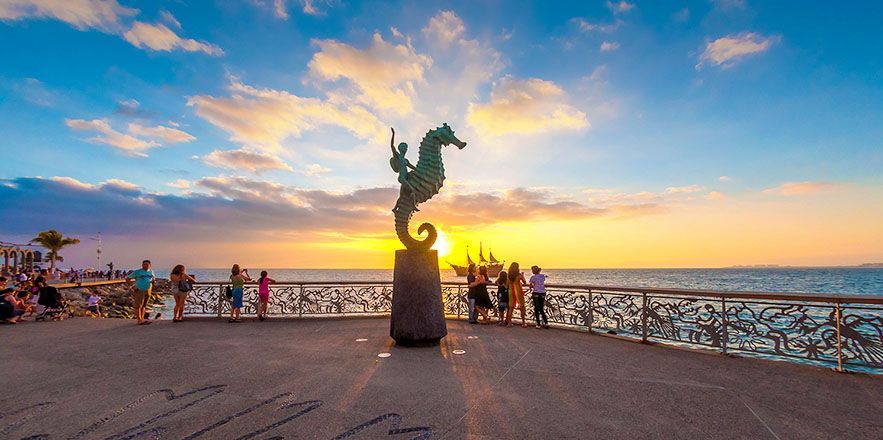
(810, 280)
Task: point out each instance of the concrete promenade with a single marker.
(105, 378)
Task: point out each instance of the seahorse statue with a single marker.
(421, 183)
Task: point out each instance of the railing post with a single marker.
(220, 300)
(591, 312)
(644, 317)
(300, 302)
(839, 342)
(459, 301)
(726, 334)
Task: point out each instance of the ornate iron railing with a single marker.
(812, 328)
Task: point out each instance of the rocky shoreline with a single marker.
(116, 298)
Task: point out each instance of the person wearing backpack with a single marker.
(182, 284)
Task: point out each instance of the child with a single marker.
(502, 296)
(264, 294)
(538, 286)
(92, 305)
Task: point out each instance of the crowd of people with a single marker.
(510, 295)
(23, 297)
(26, 294)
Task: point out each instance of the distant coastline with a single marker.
(776, 266)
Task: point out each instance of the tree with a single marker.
(54, 241)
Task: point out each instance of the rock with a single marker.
(418, 317)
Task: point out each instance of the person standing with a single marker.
(482, 299)
(470, 294)
(264, 294)
(181, 284)
(238, 277)
(516, 293)
(538, 294)
(502, 296)
(143, 278)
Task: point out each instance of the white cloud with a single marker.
(597, 74)
(315, 170)
(108, 136)
(724, 178)
(586, 26)
(609, 46)
(110, 17)
(715, 195)
(167, 135)
(527, 106)
(683, 189)
(446, 27)
(264, 118)
(726, 51)
(159, 37)
(620, 6)
(180, 184)
(104, 15)
(384, 74)
(802, 188)
(128, 142)
(73, 183)
(245, 160)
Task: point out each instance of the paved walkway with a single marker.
(101, 378)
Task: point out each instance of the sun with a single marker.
(442, 244)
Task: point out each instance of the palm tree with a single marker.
(54, 241)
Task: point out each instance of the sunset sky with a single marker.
(600, 133)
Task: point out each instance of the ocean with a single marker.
(857, 281)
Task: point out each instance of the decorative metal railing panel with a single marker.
(818, 329)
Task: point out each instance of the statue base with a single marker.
(418, 317)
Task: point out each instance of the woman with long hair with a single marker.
(482, 298)
(181, 285)
(238, 278)
(516, 293)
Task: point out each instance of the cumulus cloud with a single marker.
(108, 136)
(446, 27)
(110, 17)
(103, 15)
(726, 51)
(159, 37)
(384, 73)
(620, 6)
(528, 106)
(179, 184)
(239, 207)
(802, 188)
(128, 142)
(264, 118)
(245, 160)
(315, 169)
(609, 46)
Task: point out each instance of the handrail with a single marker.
(831, 298)
(846, 330)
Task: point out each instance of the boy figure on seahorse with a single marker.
(400, 165)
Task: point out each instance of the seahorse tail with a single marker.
(403, 211)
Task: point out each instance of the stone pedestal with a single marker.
(418, 316)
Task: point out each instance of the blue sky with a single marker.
(620, 109)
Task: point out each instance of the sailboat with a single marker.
(494, 266)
